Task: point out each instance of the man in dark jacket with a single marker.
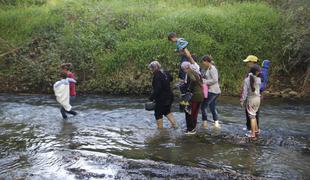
(162, 94)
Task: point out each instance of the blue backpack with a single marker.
(264, 74)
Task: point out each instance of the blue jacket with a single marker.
(264, 74)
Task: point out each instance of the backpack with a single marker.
(264, 74)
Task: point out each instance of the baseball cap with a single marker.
(251, 58)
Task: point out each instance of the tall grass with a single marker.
(111, 42)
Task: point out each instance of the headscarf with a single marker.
(194, 67)
(154, 65)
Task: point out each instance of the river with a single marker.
(114, 138)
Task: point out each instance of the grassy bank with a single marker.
(110, 43)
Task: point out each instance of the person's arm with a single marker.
(214, 77)
(156, 88)
(244, 92)
(71, 80)
(189, 56)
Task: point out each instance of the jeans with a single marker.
(211, 102)
(191, 119)
(182, 74)
(248, 119)
(63, 112)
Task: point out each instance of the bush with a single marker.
(111, 44)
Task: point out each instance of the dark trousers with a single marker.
(72, 100)
(63, 113)
(248, 119)
(182, 74)
(191, 119)
(209, 102)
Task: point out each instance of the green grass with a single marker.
(111, 42)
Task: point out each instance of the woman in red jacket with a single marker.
(66, 69)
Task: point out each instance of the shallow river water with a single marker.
(114, 138)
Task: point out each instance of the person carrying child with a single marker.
(195, 93)
(62, 93)
(251, 99)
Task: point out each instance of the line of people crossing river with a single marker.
(199, 88)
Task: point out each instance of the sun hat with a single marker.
(251, 58)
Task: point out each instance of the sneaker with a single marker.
(192, 132)
(217, 124)
(188, 110)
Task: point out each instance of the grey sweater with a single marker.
(211, 78)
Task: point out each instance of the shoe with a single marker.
(217, 124)
(257, 132)
(188, 110)
(192, 132)
(65, 117)
(204, 124)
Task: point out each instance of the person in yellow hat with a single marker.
(252, 62)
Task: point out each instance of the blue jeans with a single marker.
(211, 102)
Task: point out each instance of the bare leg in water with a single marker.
(254, 128)
(160, 124)
(172, 120)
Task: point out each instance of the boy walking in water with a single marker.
(62, 93)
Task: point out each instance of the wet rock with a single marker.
(285, 95)
(286, 91)
(275, 94)
(293, 93)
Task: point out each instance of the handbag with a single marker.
(150, 106)
(205, 89)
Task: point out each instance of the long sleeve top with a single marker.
(211, 78)
(181, 43)
(247, 91)
(72, 84)
(194, 86)
(162, 93)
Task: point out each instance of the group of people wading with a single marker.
(199, 87)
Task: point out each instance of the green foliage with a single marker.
(110, 43)
(22, 2)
